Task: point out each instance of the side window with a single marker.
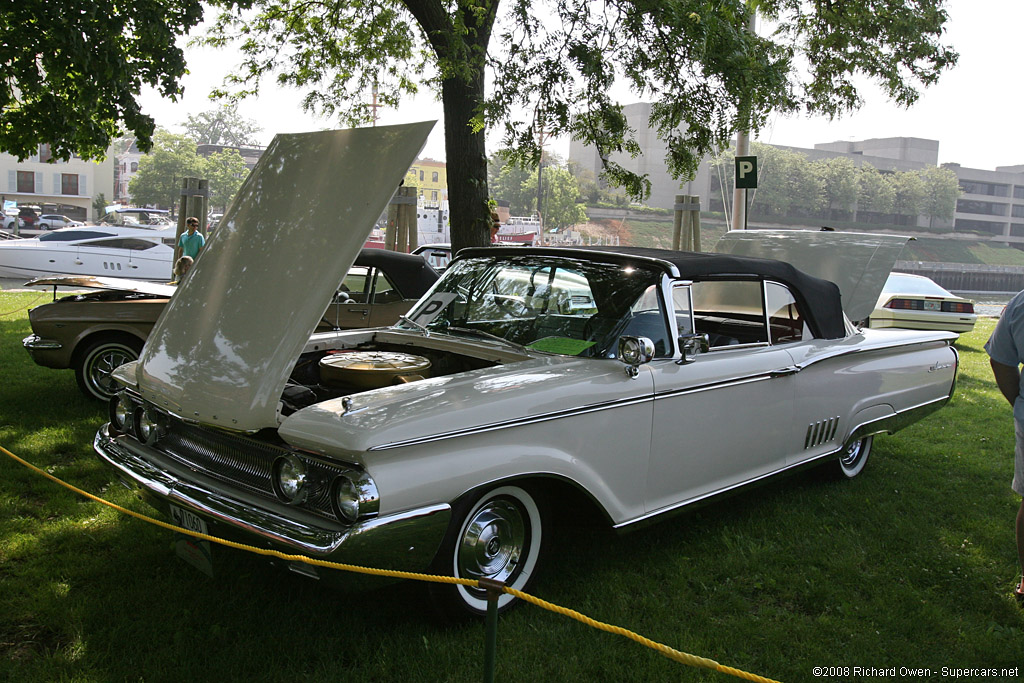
(646, 319)
(730, 312)
(682, 309)
(785, 323)
(383, 291)
(355, 285)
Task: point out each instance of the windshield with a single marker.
(544, 303)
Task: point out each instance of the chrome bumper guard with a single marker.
(404, 541)
(35, 342)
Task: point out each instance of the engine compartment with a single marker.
(324, 374)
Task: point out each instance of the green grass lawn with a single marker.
(909, 565)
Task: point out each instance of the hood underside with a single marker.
(223, 349)
(858, 263)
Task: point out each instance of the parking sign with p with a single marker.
(746, 172)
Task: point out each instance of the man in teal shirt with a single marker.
(192, 241)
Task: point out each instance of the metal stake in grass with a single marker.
(494, 591)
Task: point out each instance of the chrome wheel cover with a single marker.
(500, 538)
(492, 541)
(852, 454)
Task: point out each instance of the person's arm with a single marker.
(1007, 379)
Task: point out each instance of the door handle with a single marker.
(364, 311)
(783, 372)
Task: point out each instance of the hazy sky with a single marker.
(975, 111)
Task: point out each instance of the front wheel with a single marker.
(855, 457)
(496, 535)
(99, 360)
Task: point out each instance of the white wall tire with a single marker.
(497, 535)
(854, 457)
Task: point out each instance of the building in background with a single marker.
(125, 169)
(61, 187)
(991, 202)
(430, 178)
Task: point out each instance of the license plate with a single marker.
(188, 520)
(196, 552)
(933, 305)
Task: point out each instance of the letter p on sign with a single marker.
(746, 172)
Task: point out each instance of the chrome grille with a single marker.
(246, 463)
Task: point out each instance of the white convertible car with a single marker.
(528, 382)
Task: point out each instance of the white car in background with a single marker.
(914, 302)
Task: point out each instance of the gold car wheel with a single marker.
(98, 362)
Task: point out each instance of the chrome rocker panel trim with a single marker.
(406, 541)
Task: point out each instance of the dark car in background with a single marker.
(96, 331)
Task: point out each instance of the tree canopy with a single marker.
(222, 125)
(552, 65)
(158, 181)
(73, 70)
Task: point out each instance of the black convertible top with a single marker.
(410, 273)
(819, 299)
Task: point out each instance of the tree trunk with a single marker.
(466, 163)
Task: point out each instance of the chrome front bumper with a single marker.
(404, 541)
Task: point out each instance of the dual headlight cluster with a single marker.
(353, 495)
(144, 423)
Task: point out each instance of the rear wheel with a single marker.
(855, 457)
(98, 361)
(496, 535)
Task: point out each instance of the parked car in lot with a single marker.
(452, 441)
(52, 221)
(97, 331)
(915, 302)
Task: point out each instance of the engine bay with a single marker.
(323, 374)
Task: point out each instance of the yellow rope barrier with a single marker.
(665, 650)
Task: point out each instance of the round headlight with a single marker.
(345, 498)
(120, 413)
(290, 479)
(147, 430)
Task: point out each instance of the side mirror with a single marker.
(634, 352)
(692, 345)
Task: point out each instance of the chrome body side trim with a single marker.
(406, 540)
(508, 424)
(561, 414)
(839, 353)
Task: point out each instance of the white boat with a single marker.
(137, 252)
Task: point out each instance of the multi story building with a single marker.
(430, 178)
(64, 187)
(991, 204)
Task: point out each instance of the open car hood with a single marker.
(226, 344)
(114, 284)
(858, 263)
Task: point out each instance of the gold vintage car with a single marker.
(96, 331)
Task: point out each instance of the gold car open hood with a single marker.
(859, 263)
(115, 284)
(226, 344)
